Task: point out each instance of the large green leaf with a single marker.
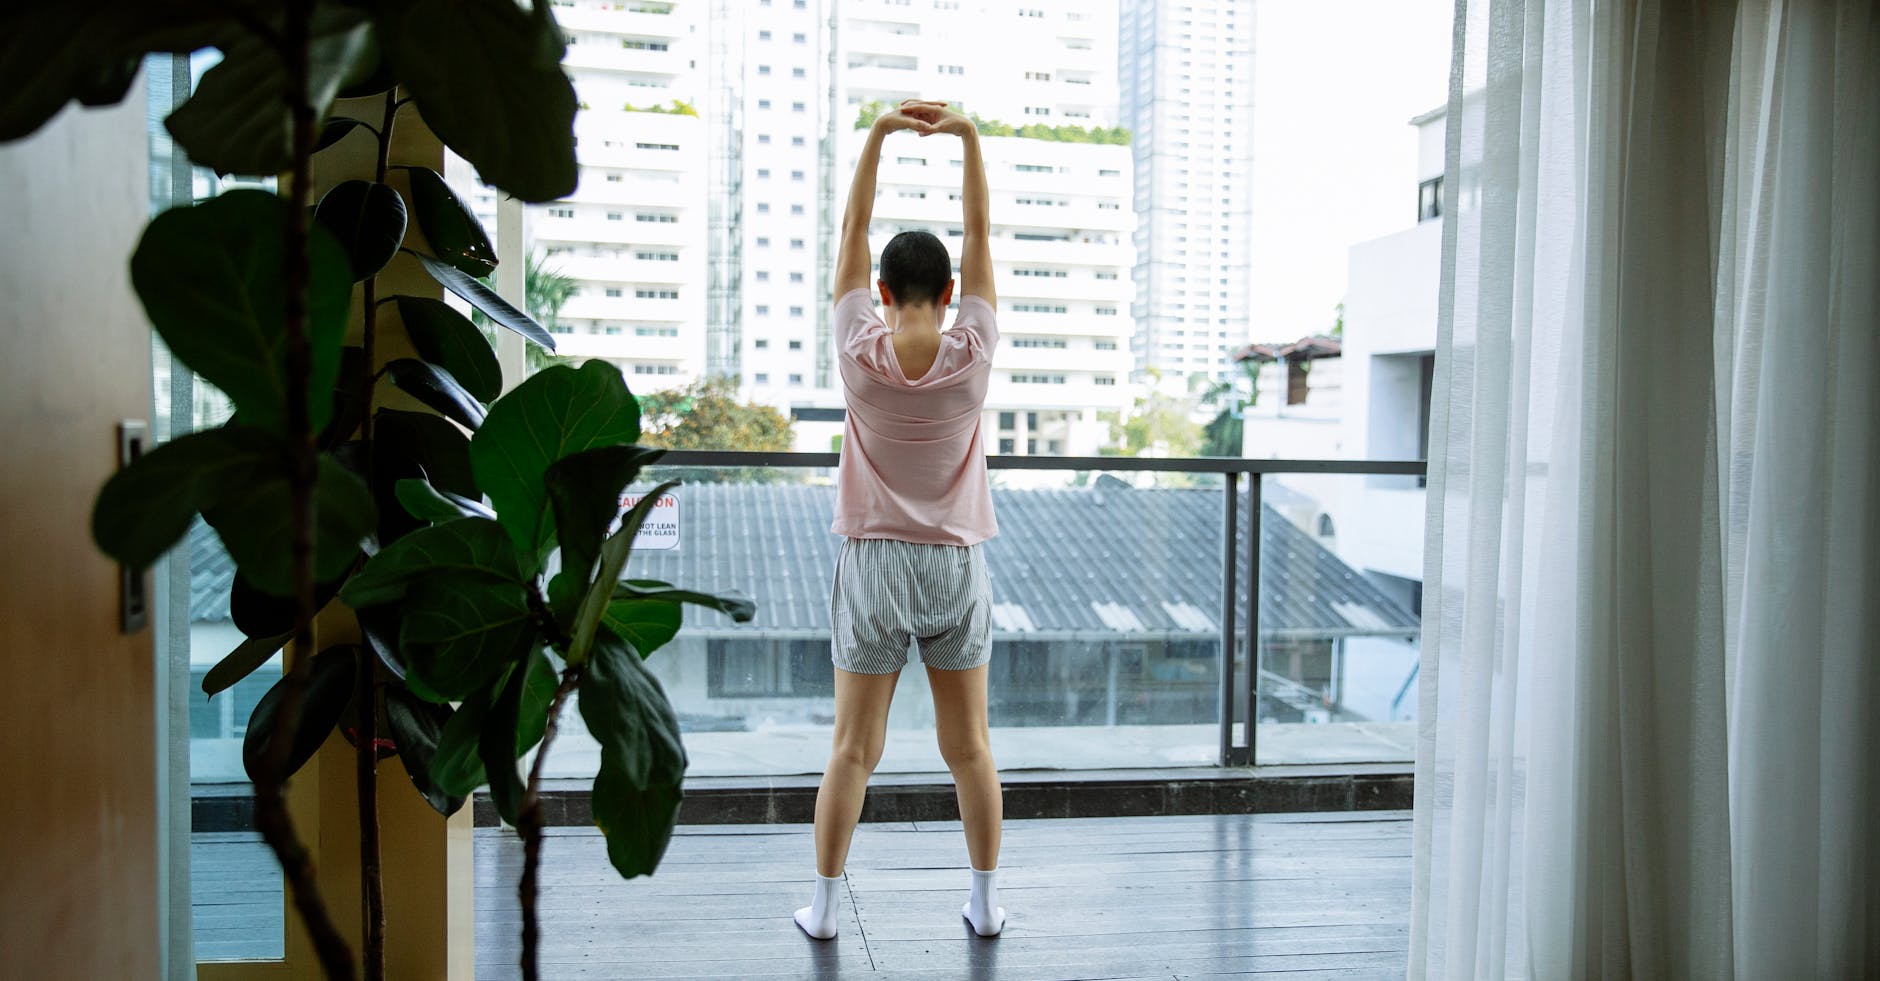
(379, 626)
(435, 387)
(421, 446)
(734, 605)
(647, 624)
(462, 629)
(456, 768)
(51, 53)
(479, 295)
(329, 688)
(637, 792)
(496, 746)
(416, 726)
(427, 503)
(584, 494)
(469, 546)
(242, 662)
(261, 614)
(144, 508)
(337, 129)
(614, 553)
(453, 232)
(558, 412)
(210, 278)
(237, 120)
(487, 77)
(368, 220)
(449, 340)
(255, 523)
(539, 683)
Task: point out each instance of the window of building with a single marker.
(656, 294)
(796, 345)
(763, 275)
(656, 146)
(655, 369)
(763, 241)
(796, 379)
(761, 378)
(797, 107)
(763, 69)
(796, 277)
(613, 291)
(796, 311)
(761, 344)
(798, 73)
(763, 207)
(763, 103)
(561, 212)
(763, 139)
(1430, 199)
(796, 209)
(1105, 379)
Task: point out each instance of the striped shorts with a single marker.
(891, 593)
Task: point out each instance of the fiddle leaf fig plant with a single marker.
(480, 545)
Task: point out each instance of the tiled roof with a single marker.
(1090, 559)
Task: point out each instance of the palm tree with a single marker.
(544, 291)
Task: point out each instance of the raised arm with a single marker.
(976, 259)
(852, 256)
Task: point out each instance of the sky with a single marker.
(1336, 83)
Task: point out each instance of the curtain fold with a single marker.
(1651, 664)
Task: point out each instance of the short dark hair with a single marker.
(916, 267)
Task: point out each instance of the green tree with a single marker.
(545, 290)
(1158, 425)
(708, 415)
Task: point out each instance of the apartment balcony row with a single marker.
(682, 352)
(623, 270)
(644, 19)
(594, 304)
(612, 56)
(592, 226)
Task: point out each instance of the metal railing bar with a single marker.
(1230, 520)
(1255, 502)
(1120, 464)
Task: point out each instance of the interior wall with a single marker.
(77, 698)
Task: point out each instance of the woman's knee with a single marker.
(966, 751)
(861, 753)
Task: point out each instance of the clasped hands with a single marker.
(926, 118)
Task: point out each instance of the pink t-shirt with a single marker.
(913, 460)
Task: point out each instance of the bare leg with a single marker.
(861, 728)
(959, 707)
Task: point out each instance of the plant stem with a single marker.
(365, 692)
(529, 823)
(271, 816)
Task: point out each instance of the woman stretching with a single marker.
(913, 505)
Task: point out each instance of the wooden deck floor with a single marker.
(1300, 897)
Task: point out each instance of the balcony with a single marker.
(1118, 584)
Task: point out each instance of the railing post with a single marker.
(1230, 521)
(1255, 505)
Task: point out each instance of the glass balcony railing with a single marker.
(1117, 583)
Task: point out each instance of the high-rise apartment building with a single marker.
(1060, 204)
(772, 112)
(1185, 79)
(633, 235)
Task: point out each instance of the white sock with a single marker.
(818, 919)
(982, 908)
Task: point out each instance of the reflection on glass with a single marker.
(1341, 600)
(1106, 605)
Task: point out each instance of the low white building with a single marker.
(1372, 402)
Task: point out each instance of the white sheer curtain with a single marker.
(1651, 664)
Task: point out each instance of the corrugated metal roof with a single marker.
(1092, 559)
